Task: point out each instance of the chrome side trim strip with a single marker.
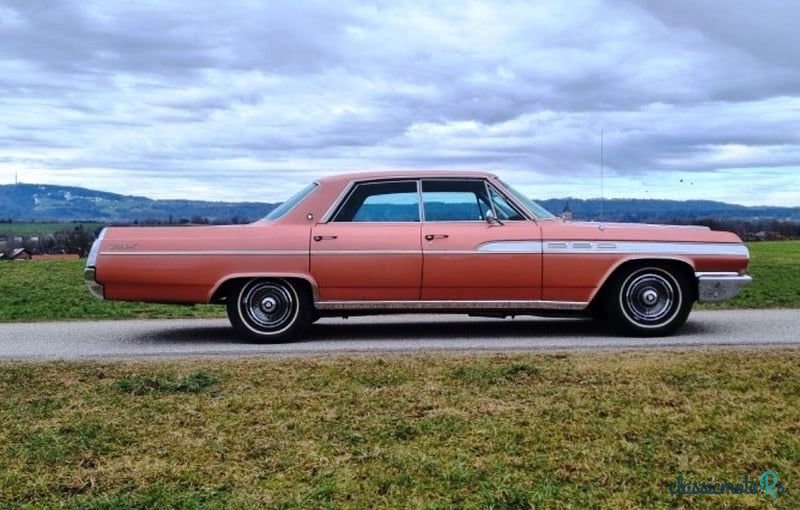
(452, 305)
(494, 247)
(660, 248)
(366, 252)
(206, 252)
(511, 247)
(719, 286)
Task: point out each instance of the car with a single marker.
(420, 241)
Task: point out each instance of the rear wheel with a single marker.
(269, 310)
(649, 300)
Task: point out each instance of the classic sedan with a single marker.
(443, 242)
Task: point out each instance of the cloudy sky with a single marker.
(251, 100)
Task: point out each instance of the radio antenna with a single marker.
(601, 175)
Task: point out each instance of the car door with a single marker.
(467, 258)
(370, 250)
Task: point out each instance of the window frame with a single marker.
(354, 186)
(513, 205)
(345, 194)
(454, 179)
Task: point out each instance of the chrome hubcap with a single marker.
(650, 298)
(268, 306)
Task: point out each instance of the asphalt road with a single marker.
(398, 333)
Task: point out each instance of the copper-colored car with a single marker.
(455, 242)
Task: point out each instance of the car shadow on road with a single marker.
(423, 330)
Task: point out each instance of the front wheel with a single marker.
(269, 310)
(649, 301)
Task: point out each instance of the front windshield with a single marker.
(288, 205)
(540, 212)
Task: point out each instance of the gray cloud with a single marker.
(248, 100)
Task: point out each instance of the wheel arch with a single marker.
(683, 264)
(220, 290)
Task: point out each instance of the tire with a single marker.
(649, 300)
(269, 310)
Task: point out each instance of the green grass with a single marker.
(25, 229)
(608, 430)
(54, 290)
(40, 290)
(775, 268)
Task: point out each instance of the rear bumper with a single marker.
(95, 288)
(719, 286)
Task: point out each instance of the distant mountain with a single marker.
(45, 202)
(665, 211)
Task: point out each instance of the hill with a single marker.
(663, 211)
(45, 202)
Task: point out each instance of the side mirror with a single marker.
(491, 219)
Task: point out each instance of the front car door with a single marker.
(370, 249)
(466, 258)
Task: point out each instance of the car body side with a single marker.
(546, 265)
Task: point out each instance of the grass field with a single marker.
(24, 229)
(492, 432)
(54, 290)
(775, 268)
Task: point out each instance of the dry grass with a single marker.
(512, 431)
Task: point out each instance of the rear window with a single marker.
(288, 205)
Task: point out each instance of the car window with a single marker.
(381, 201)
(537, 210)
(502, 207)
(288, 205)
(453, 200)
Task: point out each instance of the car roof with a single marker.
(405, 174)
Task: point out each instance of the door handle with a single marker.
(324, 238)
(431, 237)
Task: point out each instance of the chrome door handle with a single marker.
(431, 237)
(324, 238)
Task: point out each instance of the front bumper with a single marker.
(719, 286)
(95, 288)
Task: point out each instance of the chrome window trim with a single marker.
(498, 185)
(513, 204)
(343, 197)
(453, 305)
(295, 206)
(335, 204)
(439, 179)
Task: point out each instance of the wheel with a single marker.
(649, 300)
(269, 310)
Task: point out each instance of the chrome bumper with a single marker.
(95, 288)
(719, 286)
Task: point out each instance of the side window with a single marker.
(503, 209)
(452, 200)
(381, 201)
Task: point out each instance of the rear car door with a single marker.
(370, 250)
